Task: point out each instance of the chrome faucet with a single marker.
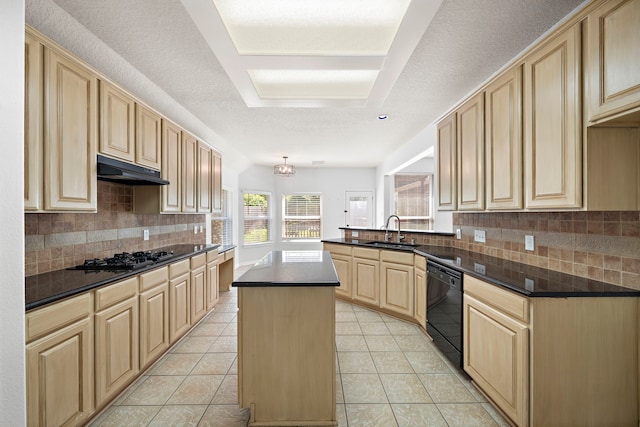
(386, 229)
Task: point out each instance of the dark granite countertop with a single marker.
(46, 288)
(291, 268)
(525, 279)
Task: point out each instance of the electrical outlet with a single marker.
(145, 234)
(195, 229)
(202, 228)
(354, 234)
(529, 243)
(458, 234)
(479, 268)
(529, 284)
(479, 236)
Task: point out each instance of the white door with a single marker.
(358, 209)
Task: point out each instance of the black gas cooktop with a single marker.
(125, 261)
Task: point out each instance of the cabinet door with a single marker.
(179, 306)
(342, 263)
(198, 294)
(116, 348)
(70, 135)
(33, 123)
(189, 178)
(117, 123)
(447, 200)
(503, 141)
(148, 137)
(212, 291)
(154, 323)
(496, 356)
(470, 154)
(366, 281)
(420, 297)
(552, 117)
(614, 58)
(60, 376)
(204, 171)
(171, 167)
(217, 182)
(396, 288)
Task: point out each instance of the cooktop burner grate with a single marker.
(125, 261)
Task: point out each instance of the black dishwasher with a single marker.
(444, 310)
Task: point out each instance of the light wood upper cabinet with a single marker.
(148, 137)
(205, 171)
(117, 123)
(33, 123)
(217, 182)
(552, 134)
(614, 59)
(189, 172)
(171, 167)
(447, 181)
(71, 116)
(470, 154)
(59, 361)
(503, 141)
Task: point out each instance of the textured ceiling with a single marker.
(467, 41)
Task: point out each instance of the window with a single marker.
(413, 201)
(221, 223)
(257, 218)
(301, 217)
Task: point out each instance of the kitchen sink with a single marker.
(392, 245)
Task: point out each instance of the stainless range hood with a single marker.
(126, 173)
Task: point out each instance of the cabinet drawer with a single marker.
(198, 261)
(397, 257)
(421, 262)
(154, 278)
(112, 294)
(338, 249)
(366, 253)
(179, 268)
(55, 316)
(212, 256)
(229, 254)
(514, 305)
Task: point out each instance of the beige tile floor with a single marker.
(388, 374)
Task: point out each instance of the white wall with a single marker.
(12, 364)
(332, 183)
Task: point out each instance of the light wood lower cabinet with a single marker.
(553, 361)
(341, 256)
(116, 338)
(179, 299)
(59, 360)
(198, 288)
(366, 275)
(496, 356)
(420, 291)
(154, 315)
(212, 292)
(396, 282)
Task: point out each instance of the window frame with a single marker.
(284, 217)
(268, 217)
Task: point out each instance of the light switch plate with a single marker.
(458, 234)
(479, 236)
(529, 243)
(145, 234)
(195, 229)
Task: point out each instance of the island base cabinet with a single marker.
(286, 355)
(496, 356)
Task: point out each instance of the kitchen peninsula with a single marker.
(286, 339)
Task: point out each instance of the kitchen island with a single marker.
(286, 339)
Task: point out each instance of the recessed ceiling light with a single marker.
(383, 117)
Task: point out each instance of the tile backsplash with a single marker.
(59, 240)
(603, 246)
